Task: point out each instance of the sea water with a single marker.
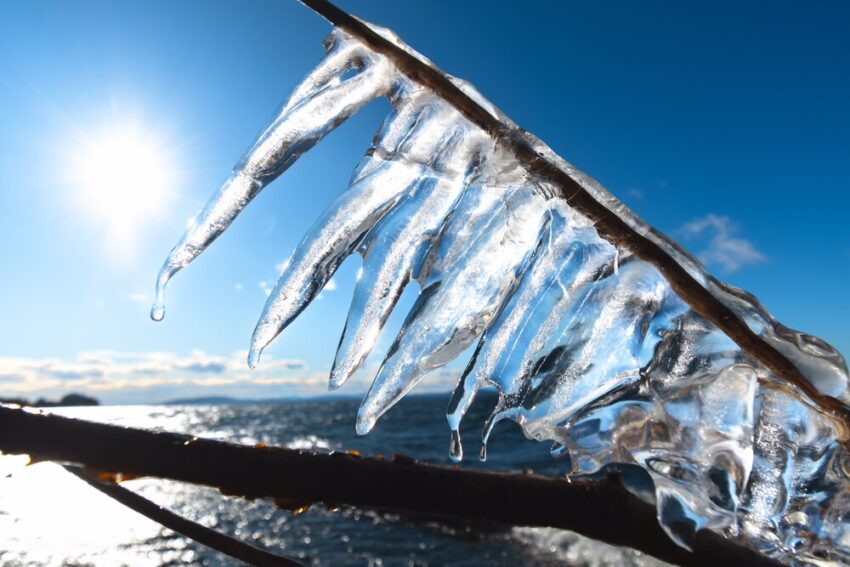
(48, 517)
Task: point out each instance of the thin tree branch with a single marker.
(602, 510)
(608, 224)
(202, 534)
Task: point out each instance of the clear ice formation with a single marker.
(586, 344)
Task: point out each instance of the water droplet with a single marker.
(483, 454)
(158, 311)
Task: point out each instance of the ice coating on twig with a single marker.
(587, 344)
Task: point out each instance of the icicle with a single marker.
(513, 343)
(455, 307)
(331, 239)
(395, 251)
(318, 105)
(376, 188)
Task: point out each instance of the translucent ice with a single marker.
(586, 342)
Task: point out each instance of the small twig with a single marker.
(602, 510)
(608, 224)
(202, 534)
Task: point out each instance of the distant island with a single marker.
(68, 400)
(226, 400)
(207, 400)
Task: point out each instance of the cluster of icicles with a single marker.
(587, 345)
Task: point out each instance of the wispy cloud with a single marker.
(724, 249)
(136, 297)
(266, 287)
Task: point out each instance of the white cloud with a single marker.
(112, 371)
(137, 297)
(724, 249)
(154, 377)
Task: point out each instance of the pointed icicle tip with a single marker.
(365, 423)
(254, 357)
(341, 370)
(337, 379)
(264, 333)
(455, 447)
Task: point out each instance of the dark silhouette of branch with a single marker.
(608, 224)
(211, 538)
(603, 510)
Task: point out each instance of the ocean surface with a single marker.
(49, 517)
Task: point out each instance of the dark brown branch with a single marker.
(609, 225)
(601, 510)
(206, 536)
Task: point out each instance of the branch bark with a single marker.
(601, 510)
(608, 224)
(202, 534)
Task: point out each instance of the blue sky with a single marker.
(724, 125)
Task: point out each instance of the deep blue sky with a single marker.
(726, 125)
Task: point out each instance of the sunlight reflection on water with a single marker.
(48, 517)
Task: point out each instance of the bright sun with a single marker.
(123, 178)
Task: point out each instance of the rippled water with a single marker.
(48, 517)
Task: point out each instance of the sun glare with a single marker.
(123, 178)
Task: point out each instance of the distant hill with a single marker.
(223, 400)
(207, 401)
(68, 400)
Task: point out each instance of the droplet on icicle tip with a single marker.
(158, 309)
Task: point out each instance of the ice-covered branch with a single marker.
(599, 333)
(611, 219)
(602, 510)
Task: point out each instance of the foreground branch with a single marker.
(206, 536)
(609, 225)
(601, 510)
